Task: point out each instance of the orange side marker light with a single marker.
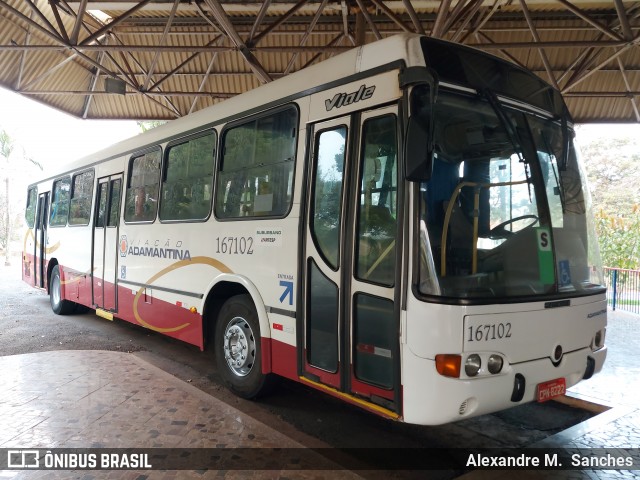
(448, 365)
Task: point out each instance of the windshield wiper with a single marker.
(549, 154)
(514, 136)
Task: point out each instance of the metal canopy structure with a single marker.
(162, 59)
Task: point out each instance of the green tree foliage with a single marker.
(146, 125)
(613, 169)
(619, 238)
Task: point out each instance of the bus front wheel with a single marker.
(58, 304)
(238, 348)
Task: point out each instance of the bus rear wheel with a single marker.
(58, 304)
(238, 348)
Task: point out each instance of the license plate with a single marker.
(551, 389)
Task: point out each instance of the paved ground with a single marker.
(87, 399)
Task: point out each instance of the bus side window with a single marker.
(81, 194)
(141, 200)
(377, 209)
(328, 185)
(30, 211)
(256, 169)
(114, 206)
(60, 202)
(188, 179)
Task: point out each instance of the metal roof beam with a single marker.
(304, 38)
(465, 18)
(596, 68)
(204, 81)
(536, 38)
(590, 94)
(75, 33)
(44, 20)
(23, 57)
(92, 87)
(279, 22)
(501, 50)
(337, 40)
(29, 21)
(414, 17)
(628, 87)
(181, 65)
(116, 21)
(389, 13)
(222, 18)
(199, 48)
(598, 26)
(368, 19)
(624, 20)
(163, 40)
(552, 44)
(56, 15)
(345, 22)
(80, 23)
(132, 93)
(441, 18)
(258, 22)
(482, 21)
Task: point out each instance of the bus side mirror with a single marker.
(418, 149)
(419, 145)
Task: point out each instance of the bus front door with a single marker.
(40, 243)
(351, 313)
(105, 243)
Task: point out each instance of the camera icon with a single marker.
(23, 459)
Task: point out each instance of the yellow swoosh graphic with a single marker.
(77, 276)
(29, 233)
(182, 263)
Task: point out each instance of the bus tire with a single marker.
(238, 349)
(58, 304)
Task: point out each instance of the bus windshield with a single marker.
(506, 211)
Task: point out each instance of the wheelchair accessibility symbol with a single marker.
(564, 273)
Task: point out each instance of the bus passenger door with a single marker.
(324, 300)
(105, 243)
(40, 243)
(352, 281)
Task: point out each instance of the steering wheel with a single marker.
(499, 231)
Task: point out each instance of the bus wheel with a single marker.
(58, 305)
(238, 348)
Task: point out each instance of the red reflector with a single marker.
(278, 326)
(364, 348)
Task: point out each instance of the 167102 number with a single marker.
(234, 245)
(484, 333)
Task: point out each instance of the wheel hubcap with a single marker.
(239, 346)
(55, 289)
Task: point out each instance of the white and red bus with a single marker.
(405, 226)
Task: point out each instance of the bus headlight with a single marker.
(495, 363)
(472, 365)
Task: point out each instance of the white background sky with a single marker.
(52, 137)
